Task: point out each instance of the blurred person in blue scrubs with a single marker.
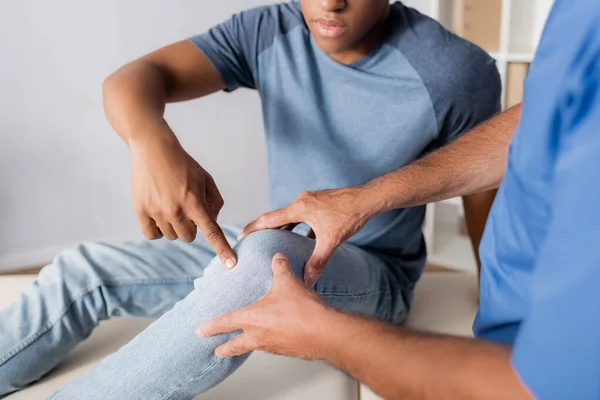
(537, 329)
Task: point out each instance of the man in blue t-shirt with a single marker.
(351, 91)
(538, 323)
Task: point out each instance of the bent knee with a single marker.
(256, 250)
(73, 268)
(255, 255)
(14, 376)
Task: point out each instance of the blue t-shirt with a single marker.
(330, 125)
(540, 282)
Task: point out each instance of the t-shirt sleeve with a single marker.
(474, 93)
(462, 79)
(234, 45)
(557, 350)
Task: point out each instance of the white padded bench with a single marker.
(444, 302)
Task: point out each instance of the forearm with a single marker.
(135, 96)
(134, 100)
(473, 163)
(400, 364)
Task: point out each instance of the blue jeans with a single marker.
(169, 281)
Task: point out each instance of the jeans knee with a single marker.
(13, 377)
(255, 252)
(73, 269)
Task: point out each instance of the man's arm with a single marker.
(482, 165)
(474, 163)
(172, 193)
(401, 364)
(135, 96)
(396, 363)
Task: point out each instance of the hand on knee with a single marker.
(253, 274)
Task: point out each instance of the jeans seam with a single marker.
(168, 396)
(387, 293)
(52, 321)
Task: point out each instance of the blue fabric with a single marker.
(331, 125)
(540, 283)
(183, 285)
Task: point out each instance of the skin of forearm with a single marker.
(134, 100)
(473, 163)
(135, 96)
(401, 364)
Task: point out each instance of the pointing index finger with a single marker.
(215, 237)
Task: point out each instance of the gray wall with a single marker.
(64, 174)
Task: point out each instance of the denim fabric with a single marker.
(96, 281)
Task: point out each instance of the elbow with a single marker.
(140, 73)
(128, 76)
(106, 86)
(110, 84)
(130, 70)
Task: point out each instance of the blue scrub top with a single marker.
(540, 282)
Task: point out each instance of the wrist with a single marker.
(324, 330)
(346, 337)
(152, 135)
(372, 197)
(332, 333)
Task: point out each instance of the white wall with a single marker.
(64, 174)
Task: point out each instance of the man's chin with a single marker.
(332, 46)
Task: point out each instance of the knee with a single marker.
(15, 376)
(263, 245)
(72, 268)
(255, 254)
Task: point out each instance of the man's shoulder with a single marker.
(430, 46)
(284, 13)
(454, 70)
(270, 21)
(462, 79)
(235, 45)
